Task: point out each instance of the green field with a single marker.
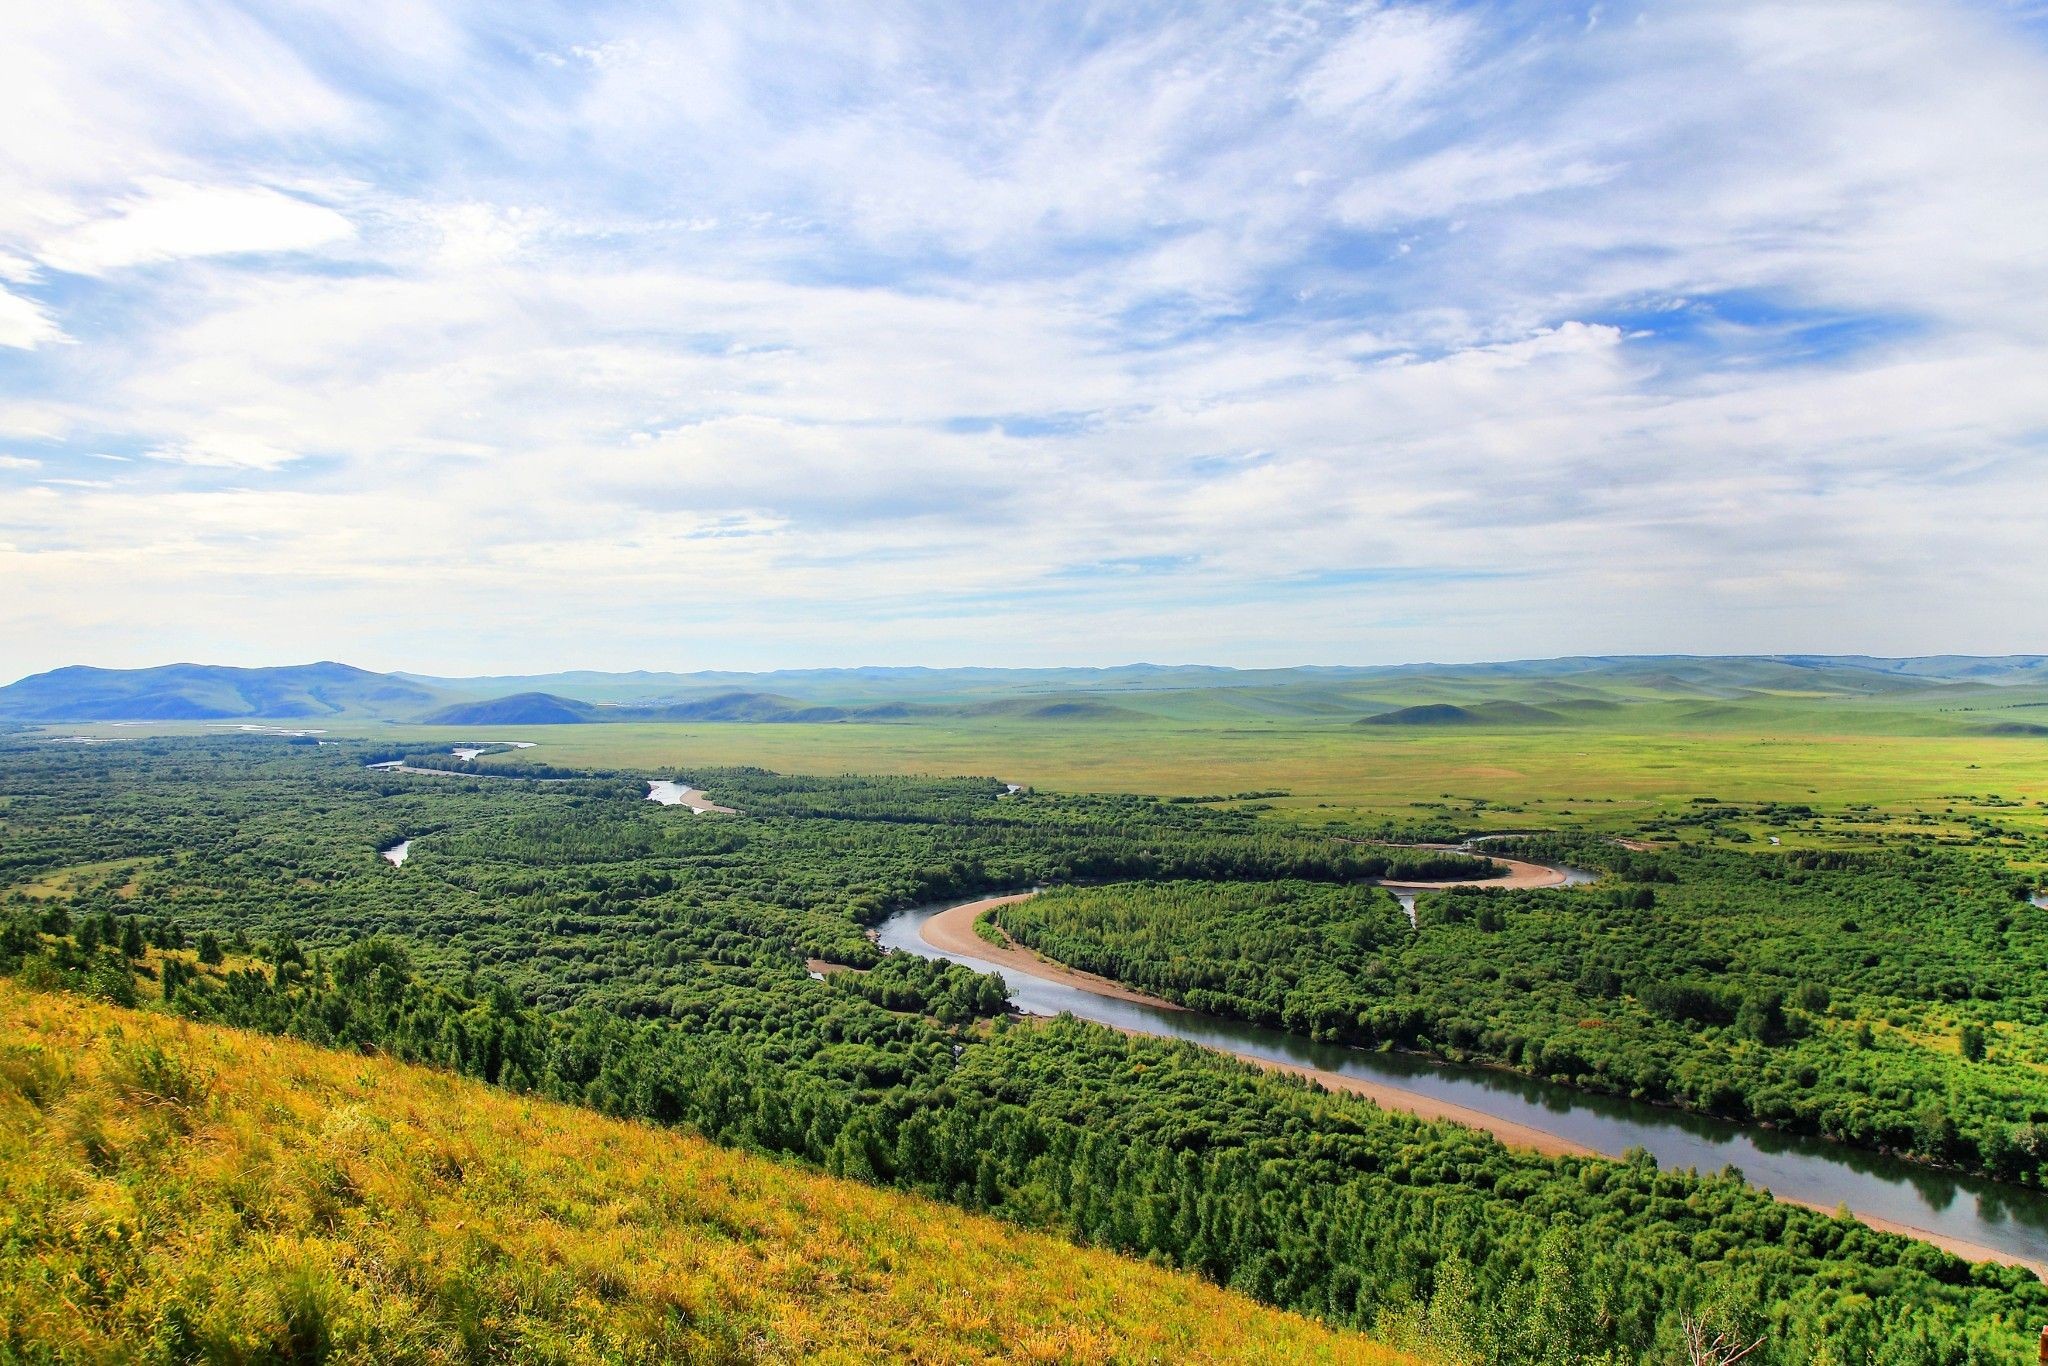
(1621, 774)
(1619, 745)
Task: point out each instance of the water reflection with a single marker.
(2004, 1218)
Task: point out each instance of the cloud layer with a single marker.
(747, 335)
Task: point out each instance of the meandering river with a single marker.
(661, 790)
(1979, 1219)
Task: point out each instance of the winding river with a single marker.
(1976, 1218)
(1979, 1219)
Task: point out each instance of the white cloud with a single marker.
(168, 221)
(1394, 58)
(808, 336)
(225, 450)
(1460, 179)
(24, 324)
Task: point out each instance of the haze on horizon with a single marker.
(471, 339)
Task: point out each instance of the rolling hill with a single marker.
(1498, 713)
(233, 1197)
(206, 692)
(520, 709)
(1509, 693)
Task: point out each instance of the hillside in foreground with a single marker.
(176, 1191)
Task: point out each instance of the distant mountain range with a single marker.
(208, 692)
(1566, 691)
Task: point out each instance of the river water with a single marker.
(2003, 1218)
(1406, 893)
(682, 794)
(396, 854)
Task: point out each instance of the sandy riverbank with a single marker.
(952, 931)
(1968, 1251)
(1511, 1134)
(1520, 875)
(677, 793)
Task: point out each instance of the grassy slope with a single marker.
(220, 1194)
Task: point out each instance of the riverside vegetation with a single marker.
(567, 939)
(1890, 998)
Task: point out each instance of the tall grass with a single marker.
(174, 1192)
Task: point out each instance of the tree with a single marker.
(1707, 1345)
(1972, 1040)
(1762, 1016)
(209, 948)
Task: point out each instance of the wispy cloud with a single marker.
(24, 323)
(168, 221)
(751, 335)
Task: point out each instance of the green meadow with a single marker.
(1626, 771)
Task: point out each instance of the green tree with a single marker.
(1762, 1016)
(1972, 1041)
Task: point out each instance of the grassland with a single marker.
(179, 1192)
(1620, 774)
(1364, 771)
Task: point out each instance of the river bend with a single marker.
(1979, 1219)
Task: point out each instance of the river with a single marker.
(1408, 891)
(682, 794)
(1976, 1217)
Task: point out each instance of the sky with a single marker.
(484, 337)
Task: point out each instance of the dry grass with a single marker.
(171, 1191)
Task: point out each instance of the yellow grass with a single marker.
(172, 1190)
(69, 881)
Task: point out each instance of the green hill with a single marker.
(206, 692)
(1498, 713)
(733, 706)
(520, 709)
(1925, 695)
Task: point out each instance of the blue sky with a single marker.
(465, 337)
